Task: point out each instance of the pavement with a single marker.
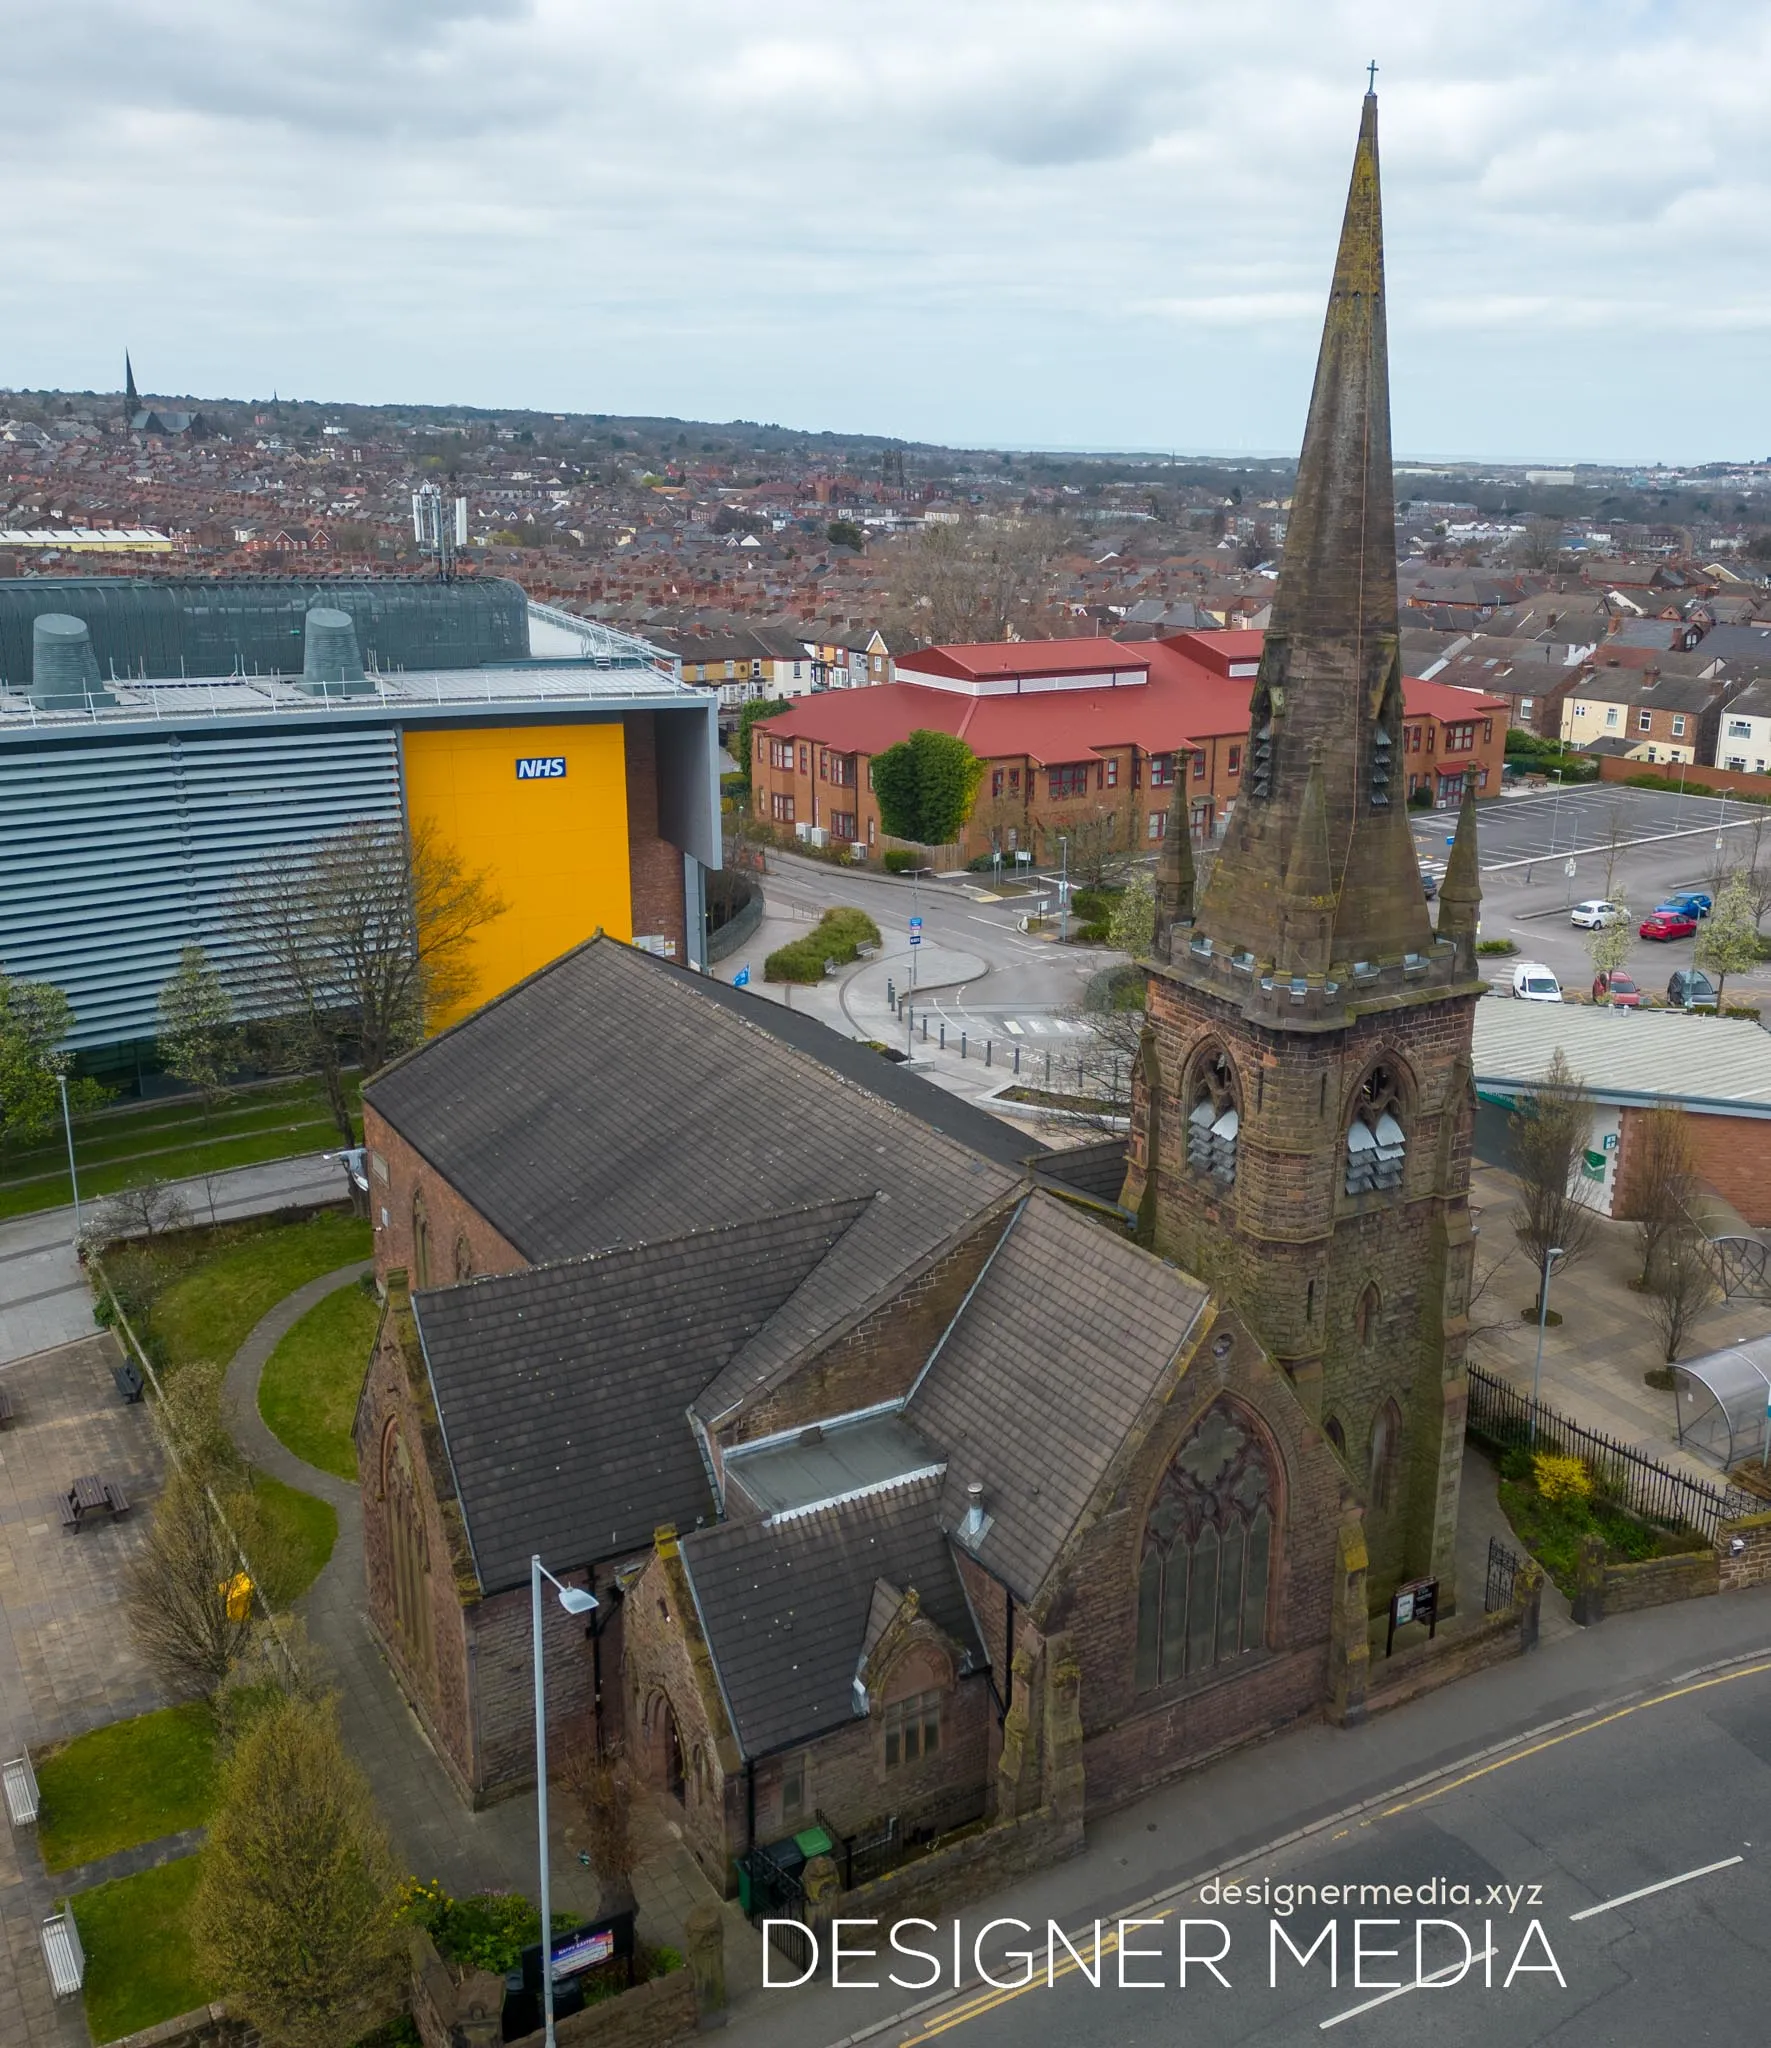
(1594, 1360)
(44, 1298)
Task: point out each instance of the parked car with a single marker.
(1696, 903)
(1534, 983)
(1430, 884)
(1618, 989)
(1690, 989)
(1667, 924)
(1596, 914)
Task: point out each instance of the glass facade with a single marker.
(199, 626)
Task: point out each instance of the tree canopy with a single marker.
(35, 1017)
(925, 786)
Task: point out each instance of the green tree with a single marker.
(1132, 926)
(1610, 944)
(925, 786)
(296, 1915)
(844, 533)
(1728, 939)
(35, 1017)
(196, 1025)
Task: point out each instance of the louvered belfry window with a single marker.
(1214, 1123)
(1207, 1559)
(1377, 1145)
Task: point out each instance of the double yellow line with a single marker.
(987, 2001)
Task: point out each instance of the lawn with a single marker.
(303, 1530)
(131, 1782)
(170, 1140)
(209, 1310)
(139, 1967)
(308, 1395)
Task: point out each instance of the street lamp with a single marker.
(1550, 1257)
(575, 1600)
(67, 1124)
(1555, 810)
(1063, 888)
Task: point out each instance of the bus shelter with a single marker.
(1725, 1402)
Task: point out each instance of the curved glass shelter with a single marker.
(1723, 1402)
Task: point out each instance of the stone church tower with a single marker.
(1303, 1102)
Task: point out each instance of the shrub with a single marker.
(897, 860)
(1561, 1479)
(1421, 800)
(838, 935)
(1494, 947)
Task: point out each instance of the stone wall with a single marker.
(465, 2014)
(1750, 1565)
(1424, 1667)
(209, 2026)
(1655, 1581)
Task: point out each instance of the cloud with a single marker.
(1024, 220)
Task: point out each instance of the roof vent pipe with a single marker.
(975, 1523)
(64, 670)
(331, 666)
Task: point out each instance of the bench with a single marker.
(6, 1409)
(64, 1955)
(130, 1383)
(70, 1515)
(21, 1791)
(116, 1499)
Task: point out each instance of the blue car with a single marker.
(1689, 903)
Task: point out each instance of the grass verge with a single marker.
(301, 1529)
(131, 1782)
(308, 1394)
(139, 1965)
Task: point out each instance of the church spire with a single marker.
(1330, 682)
(1460, 894)
(131, 398)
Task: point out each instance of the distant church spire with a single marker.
(131, 397)
(1330, 683)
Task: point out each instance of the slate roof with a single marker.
(786, 1606)
(563, 1390)
(1067, 1335)
(615, 1099)
(1096, 1170)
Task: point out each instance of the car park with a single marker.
(1667, 924)
(1618, 990)
(1534, 983)
(1690, 989)
(1596, 914)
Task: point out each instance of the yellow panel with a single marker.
(554, 839)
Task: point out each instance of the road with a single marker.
(1630, 1842)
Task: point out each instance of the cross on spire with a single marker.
(1371, 76)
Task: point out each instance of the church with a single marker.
(925, 1477)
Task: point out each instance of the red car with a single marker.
(1619, 990)
(1667, 924)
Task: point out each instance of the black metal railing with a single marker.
(776, 1895)
(1506, 1416)
(1503, 1569)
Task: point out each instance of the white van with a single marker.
(1534, 983)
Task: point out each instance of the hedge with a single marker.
(838, 935)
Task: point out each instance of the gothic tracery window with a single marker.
(407, 1547)
(1376, 1141)
(1386, 1449)
(1213, 1121)
(1207, 1555)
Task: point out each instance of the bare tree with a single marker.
(602, 1786)
(363, 943)
(1661, 1177)
(189, 1613)
(1680, 1287)
(974, 580)
(1550, 1129)
(144, 1210)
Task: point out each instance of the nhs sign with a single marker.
(541, 767)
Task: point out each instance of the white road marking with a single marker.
(1436, 1978)
(1014, 1030)
(1034, 1025)
(1665, 1885)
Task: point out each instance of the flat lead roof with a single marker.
(826, 1464)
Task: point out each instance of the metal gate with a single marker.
(1503, 1569)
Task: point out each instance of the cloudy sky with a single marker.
(1078, 223)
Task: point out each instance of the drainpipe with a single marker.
(1008, 1657)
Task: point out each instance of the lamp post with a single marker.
(1550, 1257)
(1555, 810)
(67, 1124)
(575, 1600)
(1063, 888)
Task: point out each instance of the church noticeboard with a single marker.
(1417, 1601)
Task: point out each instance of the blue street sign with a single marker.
(916, 931)
(742, 978)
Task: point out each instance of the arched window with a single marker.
(1213, 1120)
(1386, 1454)
(1365, 1316)
(1335, 1434)
(420, 1241)
(1376, 1141)
(1207, 1556)
(408, 1548)
(463, 1259)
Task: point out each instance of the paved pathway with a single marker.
(434, 1833)
(44, 1299)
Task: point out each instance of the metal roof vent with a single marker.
(330, 664)
(64, 669)
(975, 1524)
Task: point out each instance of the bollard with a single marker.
(892, 999)
(988, 1044)
(962, 1045)
(925, 1029)
(943, 1034)
(1017, 1059)
(1079, 1073)
(1048, 1066)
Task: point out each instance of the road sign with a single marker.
(916, 931)
(742, 978)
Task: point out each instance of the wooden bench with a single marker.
(116, 1499)
(22, 1798)
(70, 1515)
(63, 1955)
(130, 1383)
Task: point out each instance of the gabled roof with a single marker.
(1035, 1391)
(785, 1606)
(563, 1390)
(614, 1098)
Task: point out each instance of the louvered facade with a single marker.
(116, 855)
